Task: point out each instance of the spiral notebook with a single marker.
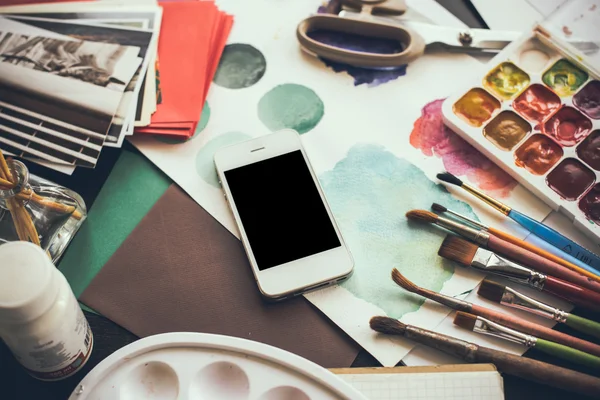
(456, 382)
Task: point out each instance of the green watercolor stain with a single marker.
(369, 191)
(241, 66)
(205, 160)
(291, 106)
(204, 117)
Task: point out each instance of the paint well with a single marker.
(570, 179)
(538, 154)
(506, 80)
(589, 150)
(506, 130)
(434, 139)
(590, 204)
(564, 78)
(151, 380)
(536, 103)
(222, 380)
(568, 126)
(588, 100)
(476, 107)
(291, 106)
(241, 66)
(533, 60)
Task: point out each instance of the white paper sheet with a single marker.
(363, 137)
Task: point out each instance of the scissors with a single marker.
(375, 20)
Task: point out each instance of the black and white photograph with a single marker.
(144, 39)
(140, 17)
(59, 94)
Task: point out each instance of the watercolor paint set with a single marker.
(535, 111)
(186, 365)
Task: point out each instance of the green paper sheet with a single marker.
(130, 191)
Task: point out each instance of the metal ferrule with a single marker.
(503, 208)
(514, 299)
(489, 262)
(490, 328)
(476, 235)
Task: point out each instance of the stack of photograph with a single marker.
(75, 77)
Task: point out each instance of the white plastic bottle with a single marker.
(40, 319)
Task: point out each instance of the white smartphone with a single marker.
(286, 226)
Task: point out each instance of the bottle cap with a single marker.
(28, 284)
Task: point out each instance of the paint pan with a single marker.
(535, 111)
(181, 366)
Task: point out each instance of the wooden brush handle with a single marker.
(539, 263)
(540, 372)
(542, 253)
(577, 295)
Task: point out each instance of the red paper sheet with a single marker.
(193, 35)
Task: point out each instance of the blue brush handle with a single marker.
(557, 240)
(542, 244)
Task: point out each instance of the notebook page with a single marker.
(428, 386)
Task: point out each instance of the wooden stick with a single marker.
(6, 184)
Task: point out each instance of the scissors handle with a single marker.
(413, 44)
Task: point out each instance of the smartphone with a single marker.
(288, 231)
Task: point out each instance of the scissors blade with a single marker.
(478, 39)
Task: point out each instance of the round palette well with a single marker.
(175, 366)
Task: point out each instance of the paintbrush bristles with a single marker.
(389, 326)
(449, 178)
(422, 215)
(458, 249)
(491, 290)
(465, 320)
(438, 207)
(403, 282)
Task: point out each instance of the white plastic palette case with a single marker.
(543, 126)
(205, 367)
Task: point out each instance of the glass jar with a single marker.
(39, 211)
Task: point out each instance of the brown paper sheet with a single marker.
(180, 270)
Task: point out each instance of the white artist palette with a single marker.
(203, 366)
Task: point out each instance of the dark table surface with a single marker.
(15, 383)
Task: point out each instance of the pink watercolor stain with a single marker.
(433, 138)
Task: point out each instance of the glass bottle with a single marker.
(39, 211)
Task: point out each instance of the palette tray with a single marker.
(204, 366)
(535, 112)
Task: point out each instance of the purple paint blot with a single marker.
(370, 77)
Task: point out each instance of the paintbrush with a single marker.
(466, 253)
(537, 228)
(510, 297)
(559, 256)
(506, 249)
(502, 318)
(490, 328)
(510, 364)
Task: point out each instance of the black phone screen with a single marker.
(281, 210)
